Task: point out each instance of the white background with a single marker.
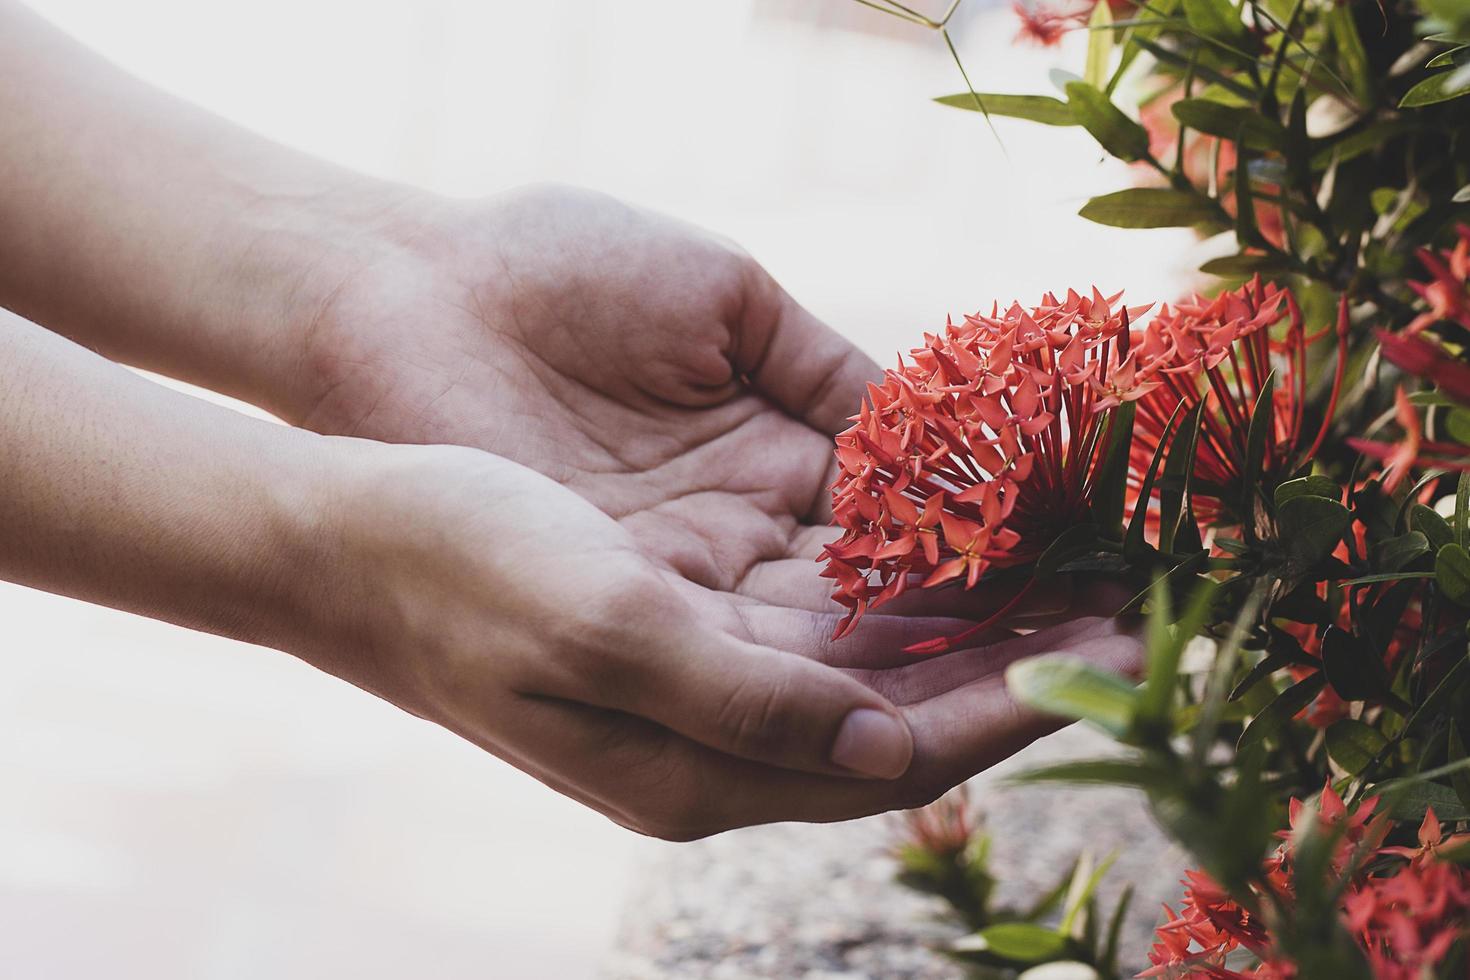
(174, 805)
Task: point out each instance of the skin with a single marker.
(556, 480)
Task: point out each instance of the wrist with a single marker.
(291, 260)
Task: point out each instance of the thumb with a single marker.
(798, 362)
(773, 707)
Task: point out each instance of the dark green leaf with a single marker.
(1426, 521)
(1177, 471)
(1457, 424)
(1107, 500)
(1114, 132)
(1074, 542)
(1242, 266)
(1435, 88)
(1355, 672)
(1275, 716)
(1399, 553)
(1351, 56)
(1462, 510)
(1230, 122)
(1036, 108)
(1408, 800)
(1314, 485)
(1310, 527)
(1459, 781)
(1263, 420)
(1452, 573)
(1215, 19)
(1150, 207)
(1353, 744)
(1111, 772)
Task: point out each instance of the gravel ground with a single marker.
(820, 902)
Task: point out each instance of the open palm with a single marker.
(663, 376)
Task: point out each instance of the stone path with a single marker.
(820, 902)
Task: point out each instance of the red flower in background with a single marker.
(981, 451)
(1405, 920)
(1045, 25)
(1448, 293)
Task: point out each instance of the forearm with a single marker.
(158, 234)
(116, 490)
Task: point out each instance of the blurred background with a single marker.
(175, 805)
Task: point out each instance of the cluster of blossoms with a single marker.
(985, 446)
(982, 449)
(1405, 914)
(1220, 351)
(1447, 298)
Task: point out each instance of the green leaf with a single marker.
(1018, 942)
(1229, 122)
(1275, 716)
(1452, 573)
(1436, 88)
(1247, 234)
(1352, 58)
(1450, 58)
(1436, 529)
(1352, 668)
(1110, 772)
(1166, 648)
(1215, 19)
(1107, 499)
(1314, 485)
(1262, 421)
(1353, 745)
(1074, 542)
(1070, 687)
(1459, 781)
(1150, 207)
(1114, 132)
(1457, 424)
(1109, 962)
(1177, 470)
(1408, 800)
(1099, 46)
(1398, 553)
(1462, 510)
(1037, 108)
(1134, 546)
(1242, 266)
(1310, 527)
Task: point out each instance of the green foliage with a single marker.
(1334, 590)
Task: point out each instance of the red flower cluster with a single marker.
(984, 448)
(931, 471)
(1220, 351)
(1405, 920)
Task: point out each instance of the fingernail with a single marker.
(873, 743)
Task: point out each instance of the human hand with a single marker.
(478, 594)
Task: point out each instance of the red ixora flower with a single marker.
(980, 451)
(1405, 917)
(1220, 351)
(1448, 293)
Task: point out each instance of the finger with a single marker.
(934, 676)
(659, 783)
(738, 697)
(797, 361)
(877, 643)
